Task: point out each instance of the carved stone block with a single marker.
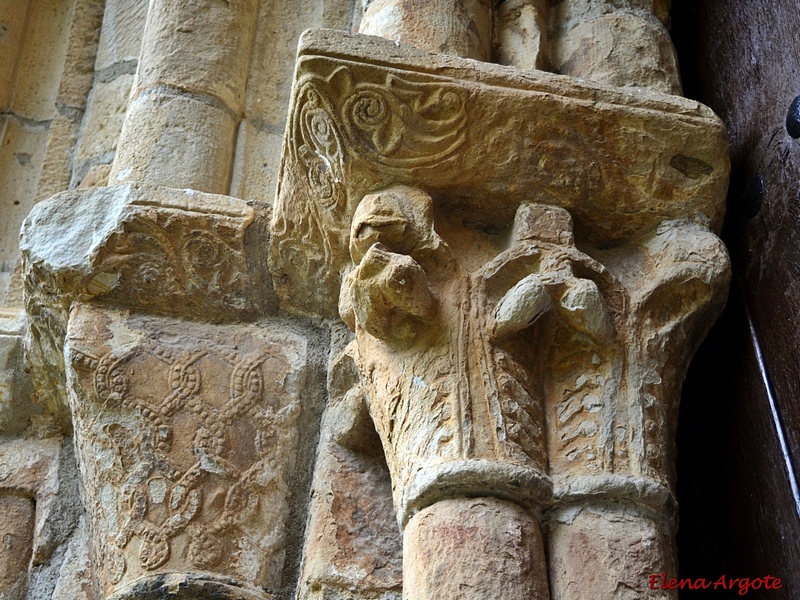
(481, 139)
(187, 438)
(527, 263)
(177, 252)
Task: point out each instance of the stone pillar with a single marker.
(458, 27)
(189, 95)
(526, 281)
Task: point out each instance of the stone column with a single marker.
(608, 548)
(474, 548)
(458, 27)
(189, 95)
(526, 281)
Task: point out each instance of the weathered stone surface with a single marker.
(120, 37)
(520, 34)
(201, 47)
(449, 395)
(187, 438)
(499, 355)
(56, 167)
(465, 371)
(77, 73)
(21, 156)
(608, 551)
(483, 136)
(353, 547)
(52, 65)
(96, 176)
(41, 59)
(102, 125)
(475, 549)
(457, 27)
(12, 24)
(167, 250)
(256, 169)
(178, 252)
(620, 50)
(43, 472)
(159, 126)
(15, 385)
(16, 524)
(76, 575)
(269, 86)
(189, 90)
(526, 261)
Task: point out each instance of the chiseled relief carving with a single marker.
(156, 249)
(454, 370)
(366, 115)
(186, 435)
(337, 123)
(539, 363)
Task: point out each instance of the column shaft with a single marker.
(180, 128)
(474, 549)
(458, 27)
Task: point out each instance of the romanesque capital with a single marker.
(190, 419)
(527, 263)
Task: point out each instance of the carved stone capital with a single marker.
(187, 436)
(527, 263)
(189, 419)
(175, 252)
(481, 138)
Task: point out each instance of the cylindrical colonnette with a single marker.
(597, 548)
(189, 95)
(474, 549)
(458, 27)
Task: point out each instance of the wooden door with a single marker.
(739, 431)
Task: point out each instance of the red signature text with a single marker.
(743, 585)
